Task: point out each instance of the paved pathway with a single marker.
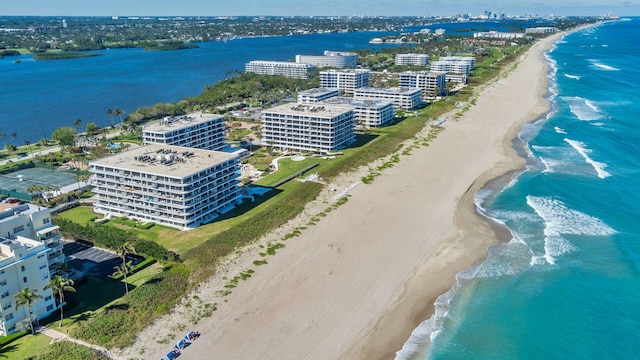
(58, 336)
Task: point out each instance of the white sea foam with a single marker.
(560, 220)
(576, 77)
(605, 67)
(581, 148)
(560, 130)
(583, 109)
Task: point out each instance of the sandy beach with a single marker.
(357, 283)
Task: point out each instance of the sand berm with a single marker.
(357, 283)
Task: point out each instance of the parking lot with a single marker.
(86, 259)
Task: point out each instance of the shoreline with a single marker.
(353, 285)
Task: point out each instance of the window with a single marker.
(4, 294)
(3, 282)
(8, 317)
(46, 221)
(45, 276)
(23, 268)
(7, 306)
(47, 298)
(18, 228)
(50, 307)
(24, 279)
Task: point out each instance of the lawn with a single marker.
(288, 167)
(82, 215)
(25, 347)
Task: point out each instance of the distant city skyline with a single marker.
(317, 8)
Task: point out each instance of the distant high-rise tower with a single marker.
(64, 23)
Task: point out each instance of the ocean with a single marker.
(567, 285)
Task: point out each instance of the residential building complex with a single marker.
(412, 59)
(34, 222)
(403, 98)
(23, 264)
(431, 83)
(316, 95)
(345, 80)
(368, 113)
(456, 71)
(169, 185)
(317, 128)
(540, 30)
(498, 35)
(466, 59)
(330, 59)
(197, 130)
(284, 68)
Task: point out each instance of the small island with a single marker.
(170, 46)
(62, 55)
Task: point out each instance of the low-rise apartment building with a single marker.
(337, 59)
(196, 130)
(284, 68)
(23, 265)
(169, 185)
(316, 127)
(412, 59)
(368, 113)
(34, 222)
(345, 80)
(431, 83)
(403, 98)
(316, 95)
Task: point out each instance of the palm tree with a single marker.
(14, 136)
(119, 113)
(78, 125)
(2, 136)
(123, 270)
(26, 297)
(59, 285)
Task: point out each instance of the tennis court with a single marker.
(16, 183)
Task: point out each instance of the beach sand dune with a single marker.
(357, 283)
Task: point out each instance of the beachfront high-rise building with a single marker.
(284, 68)
(315, 95)
(197, 130)
(34, 222)
(335, 59)
(169, 185)
(316, 127)
(498, 35)
(345, 80)
(455, 70)
(368, 113)
(540, 30)
(412, 59)
(403, 98)
(23, 265)
(431, 83)
(466, 59)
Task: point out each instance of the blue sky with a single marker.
(315, 7)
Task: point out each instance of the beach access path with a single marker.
(357, 283)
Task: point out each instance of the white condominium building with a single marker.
(431, 83)
(468, 59)
(412, 59)
(315, 95)
(34, 222)
(498, 35)
(23, 264)
(197, 130)
(403, 98)
(345, 80)
(540, 30)
(317, 128)
(330, 59)
(169, 185)
(368, 113)
(284, 68)
(456, 71)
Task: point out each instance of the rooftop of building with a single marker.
(166, 160)
(403, 91)
(318, 91)
(319, 110)
(354, 71)
(422, 72)
(287, 63)
(171, 123)
(10, 211)
(375, 104)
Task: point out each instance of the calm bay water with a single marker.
(567, 285)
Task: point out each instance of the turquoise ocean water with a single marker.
(567, 286)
